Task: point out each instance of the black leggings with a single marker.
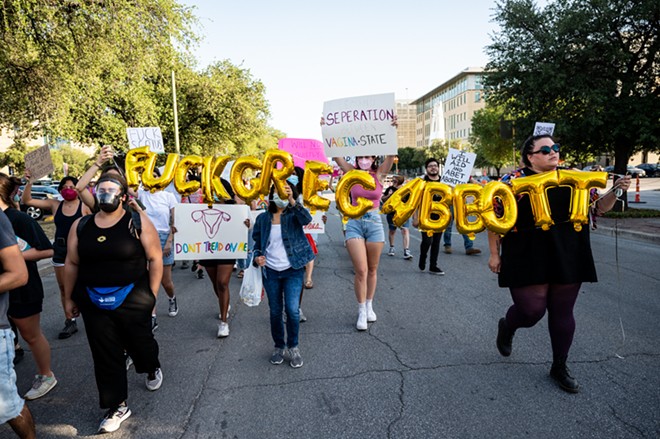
(432, 242)
(530, 303)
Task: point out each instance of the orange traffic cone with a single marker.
(637, 200)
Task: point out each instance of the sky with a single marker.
(308, 52)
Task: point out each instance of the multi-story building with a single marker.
(406, 118)
(446, 111)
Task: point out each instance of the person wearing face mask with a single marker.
(282, 250)
(544, 269)
(365, 237)
(111, 276)
(66, 212)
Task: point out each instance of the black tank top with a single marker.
(110, 257)
(63, 223)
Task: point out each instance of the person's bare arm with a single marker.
(15, 272)
(71, 271)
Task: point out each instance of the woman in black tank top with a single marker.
(66, 212)
(106, 252)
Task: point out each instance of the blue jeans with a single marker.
(446, 236)
(10, 403)
(283, 290)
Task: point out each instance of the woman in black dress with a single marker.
(545, 269)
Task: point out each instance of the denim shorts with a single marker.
(369, 228)
(392, 226)
(10, 403)
(167, 260)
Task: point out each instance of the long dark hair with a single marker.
(272, 207)
(63, 181)
(8, 186)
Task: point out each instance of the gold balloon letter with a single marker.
(535, 186)
(277, 176)
(343, 192)
(312, 184)
(463, 210)
(429, 207)
(404, 210)
(236, 178)
(211, 181)
(154, 184)
(500, 225)
(182, 186)
(136, 159)
(582, 182)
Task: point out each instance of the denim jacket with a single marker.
(293, 218)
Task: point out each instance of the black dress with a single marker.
(532, 256)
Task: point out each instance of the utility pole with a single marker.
(176, 115)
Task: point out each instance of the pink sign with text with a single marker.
(303, 150)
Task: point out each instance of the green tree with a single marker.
(491, 149)
(411, 158)
(438, 149)
(590, 66)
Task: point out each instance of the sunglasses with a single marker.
(545, 150)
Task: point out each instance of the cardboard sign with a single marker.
(316, 226)
(544, 128)
(218, 232)
(458, 167)
(146, 136)
(39, 163)
(303, 150)
(359, 126)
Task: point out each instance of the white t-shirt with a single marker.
(276, 258)
(158, 207)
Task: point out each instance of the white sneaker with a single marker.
(129, 361)
(155, 380)
(41, 385)
(223, 330)
(371, 315)
(391, 252)
(113, 419)
(362, 321)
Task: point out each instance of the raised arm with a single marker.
(27, 199)
(81, 187)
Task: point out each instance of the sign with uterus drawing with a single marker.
(216, 232)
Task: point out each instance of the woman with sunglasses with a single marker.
(545, 269)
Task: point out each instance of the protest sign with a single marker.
(359, 125)
(544, 128)
(316, 225)
(146, 136)
(303, 150)
(458, 167)
(39, 163)
(218, 232)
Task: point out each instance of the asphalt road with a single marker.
(428, 368)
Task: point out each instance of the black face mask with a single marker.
(108, 202)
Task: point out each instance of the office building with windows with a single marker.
(446, 111)
(406, 118)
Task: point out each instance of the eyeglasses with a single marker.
(545, 150)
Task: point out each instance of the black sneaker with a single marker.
(19, 353)
(422, 265)
(154, 324)
(277, 357)
(70, 328)
(184, 265)
(200, 274)
(436, 270)
(194, 266)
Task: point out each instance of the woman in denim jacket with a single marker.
(281, 248)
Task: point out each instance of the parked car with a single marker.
(39, 193)
(592, 168)
(635, 172)
(651, 169)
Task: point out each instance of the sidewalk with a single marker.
(641, 229)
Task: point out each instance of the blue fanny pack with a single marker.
(109, 297)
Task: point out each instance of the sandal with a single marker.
(240, 274)
(309, 285)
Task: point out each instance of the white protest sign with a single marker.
(316, 225)
(218, 232)
(39, 163)
(544, 128)
(359, 125)
(146, 136)
(458, 167)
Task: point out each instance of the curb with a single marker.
(626, 233)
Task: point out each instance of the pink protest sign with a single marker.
(303, 150)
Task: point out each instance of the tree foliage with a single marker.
(487, 142)
(590, 66)
(411, 158)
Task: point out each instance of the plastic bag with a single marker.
(251, 288)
